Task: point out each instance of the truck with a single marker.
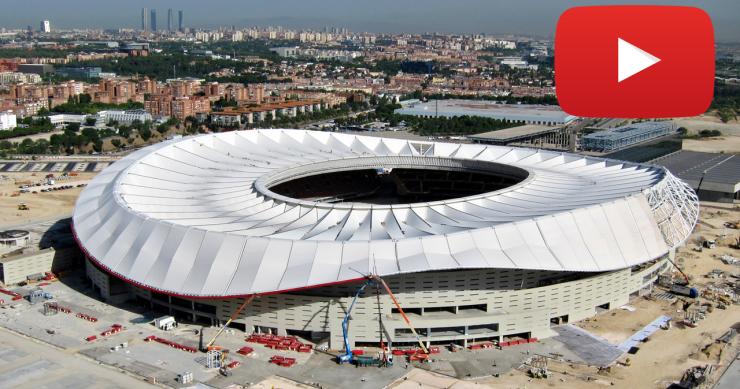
(684, 290)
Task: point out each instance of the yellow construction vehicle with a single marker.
(23, 207)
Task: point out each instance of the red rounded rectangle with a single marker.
(666, 52)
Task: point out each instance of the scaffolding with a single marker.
(625, 136)
(50, 309)
(213, 359)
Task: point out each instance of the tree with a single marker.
(116, 143)
(91, 120)
(145, 134)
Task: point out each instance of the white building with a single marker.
(286, 52)
(45, 26)
(8, 121)
(517, 63)
(124, 117)
(18, 78)
(66, 118)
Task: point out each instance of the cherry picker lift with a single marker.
(348, 355)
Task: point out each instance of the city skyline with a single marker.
(530, 17)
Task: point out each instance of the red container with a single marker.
(91, 338)
(532, 340)
(504, 344)
(358, 352)
(434, 350)
(398, 352)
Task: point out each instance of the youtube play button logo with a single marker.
(634, 61)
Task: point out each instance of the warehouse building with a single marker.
(714, 176)
(608, 140)
(530, 135)
(546, 115)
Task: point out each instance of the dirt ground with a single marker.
(722, 144)
(665, 356)
(42, 206)
(709, 121)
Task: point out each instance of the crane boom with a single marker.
(231, 318)
(403, 314)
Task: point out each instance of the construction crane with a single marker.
(209, 345)
(403, 314)
(348, 356)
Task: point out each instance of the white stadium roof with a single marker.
(195, 217)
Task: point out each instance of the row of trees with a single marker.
(459, 125)
(28, 126)
(83, 104)
(543, 100)
(68, 142)
(77, 139)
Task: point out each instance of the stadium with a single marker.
(476, 242)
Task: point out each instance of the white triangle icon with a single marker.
(632, 60)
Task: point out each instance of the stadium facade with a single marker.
(477, 242)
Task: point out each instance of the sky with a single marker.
(533, 17)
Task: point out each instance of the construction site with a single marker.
(666, 316)
(620, 347)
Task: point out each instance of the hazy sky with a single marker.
(459, 16)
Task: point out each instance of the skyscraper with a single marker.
(153, 19)
(45, 26)
(169, 20)
(145, 19)
(180, 21)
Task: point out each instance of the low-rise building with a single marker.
(81, 72)
(124, 117)
(7, 78)
(8, 121)
(17, 269)
(66, 118)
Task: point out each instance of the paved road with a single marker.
(25, 363)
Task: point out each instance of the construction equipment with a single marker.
(209, 345)
(684, 290)
(538, 367)
(403, 314)
(348, 355)
(23, 207)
